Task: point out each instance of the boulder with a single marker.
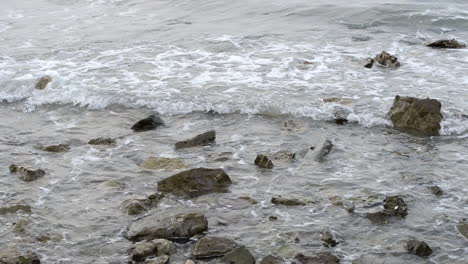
(319, 258)
(328, 238)
(212, 247)
(238, 256)
(149, 123)
(419, 248)
(420, 116)
(368, 63)
(15, 208)
(12, 255)
(195, 182)
(42, 83)
(324, 151)
(270, 259)
(204, 139)
(27, 175)
(106, 141)
(138, 206)
(387, 60)
(156, 163)
(447, 44)
(157, 260)
(287, 201)
(57, 148)
(463, 229)
(437, 191)
(174, 227)
(264, 162)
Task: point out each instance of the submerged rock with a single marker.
(204, 139)
(264, 162)
(319, 258)
(138, 206)
(369, 63)
(463, 229)
(270, 259)
(174, 227)
(49, 236)
(238, 256)
(324, 151)
(411, 114)
(12, 255)
(57, 148)
(287, 201)
(386, 59)
(419, 248)
(328, 238)
(378, 218)
(151, 122)
(106, 141)
(211, 247)
(436, 190)
(27, 175)
(15, 208)
(447, 44)
(195, 182)
(42, 83)
(156, 163)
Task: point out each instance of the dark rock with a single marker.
(270, 259)
(179, 226)
(395, 206)
(238, 256)
(15, 208)
(264, 162)
(436, 190)
(149, 123)
(319, 258)
(27, 175)
(325, 150)
(447, 44)
(157, 260)
(419, 248)
(195, 182)
(57, 148)
(390, 258)
(341, 121)
(463, 229)
(102, 141)
(369, 63)
(387, 59)
(42, 83)
(287, 201)
(272, 218)
(328, 238)
(12, 255)
(204, 139)
(421, 116)
(211, 247)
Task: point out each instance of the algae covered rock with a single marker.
(204, 139)
(138, 206)
(12, 255)
(270, 259)
(287, 201)
(419, 248)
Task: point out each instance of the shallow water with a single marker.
(114, 62)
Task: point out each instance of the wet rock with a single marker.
(20, 226)
(143, 250)
(287, 201)
(158, 260)
(106, 141)
(164, 247)
(392, 258)
(12, 209)
(264, 162)
(248, 199)
(341, 121)
(49, 236)
(42, 83)
(419, 248)
(238, 256)
(319, 258)
(463, 229)
(378, 218)
(272, 218)
(369, 63)
(149, 123)
(328, 238)
(211, 247)
(57, 148)
(155, 163)
(195, 182)
(324, 151)
(395, 206)
(27, 175)
(135, 207)
(447, 44)
(270, 259)
(138, 206)
(204, 139)
(387, 59)
(284, 155)
(12, 255)
(421, 116)
(436, 190)
(174, 227)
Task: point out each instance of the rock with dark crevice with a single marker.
(447, 44)
(25, 174)
(42, 83)
(263, 162)
(212, 247)
(238, 256)
(324, 151)
(105, 141)
(419, 248)
(150, 123)
(388, 60)
(318, 258)
(287, 201)
(204, 139)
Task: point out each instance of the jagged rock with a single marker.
(369, 63)
(12, 255)
(156, 163)
(447, 44)
(284, 155)
(238, 256)
(195, 182)
(263, 161)
(387, 59)
(319, 258)
(421, 116)
(436, 190)
(138, 206)
(328, 238)
(42, 83)
(324, 151)
(395, 206)
(270, 259)
(463, 229)
(15, 208)
(149, 123)
(211, 247)
(390, 258)
(204, 139)
(157, 260)
(102, 141)
(57, 148)
(27, 175)
(20, 226)
(174, 227)
(287, 201)
(419, 248)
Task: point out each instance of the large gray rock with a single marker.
(447, 44)
(319, 258)
(195, 182)
(211, 247)
(386, 59)
(142, 250)
(149, 123)
(174, 227)
(204, 139)
(12, 255)
(157, 260)
(238, 256)
(25, 174)
(420, 116)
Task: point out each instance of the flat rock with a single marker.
(195, 182)
(238, 256)
(174, 227)
(324, 151)
(319, 258)
(12, 209)
(386, 59)
(270, 259)
(106, 141)
(447, 44)
(157, 163)
(463, 229)
(42, 83)
(204, 139)
(287, 201)
(27, 175)
(418, 248)
(211, 247)
(263, 162)
(419, 116)
(149, 123)
(57, 148)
